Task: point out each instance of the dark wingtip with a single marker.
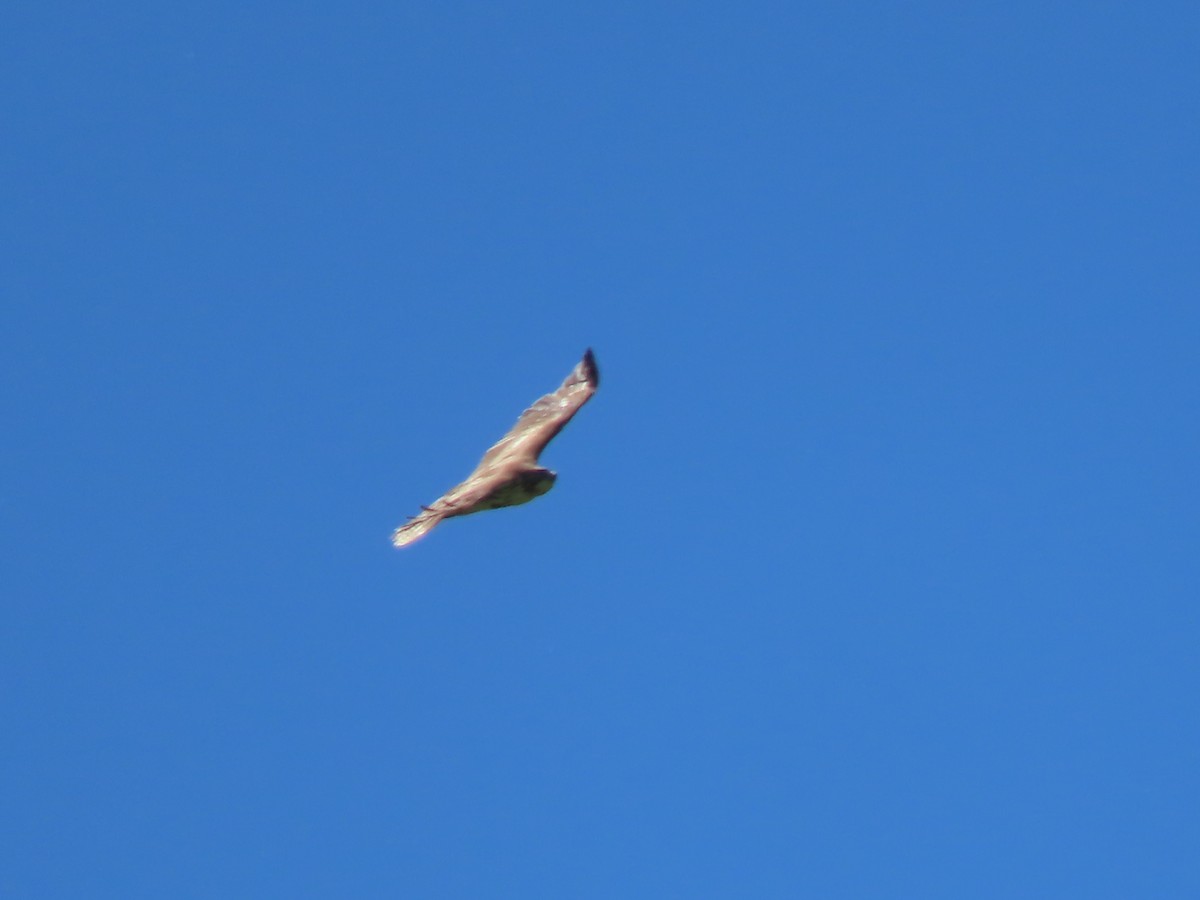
(590, 369)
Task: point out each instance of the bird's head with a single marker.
(538, 481)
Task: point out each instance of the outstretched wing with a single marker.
(457, 501)
(541, 422)
(416, 527)
(516, 450)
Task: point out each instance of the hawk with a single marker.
(509, 473)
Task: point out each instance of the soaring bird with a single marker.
(509, 473)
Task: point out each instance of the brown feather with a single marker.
(509, 474)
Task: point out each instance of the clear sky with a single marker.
(870, 572)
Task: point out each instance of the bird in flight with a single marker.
(509, 473)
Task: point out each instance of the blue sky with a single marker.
(870, 571)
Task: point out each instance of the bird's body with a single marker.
(509, 474)
(521, 486)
